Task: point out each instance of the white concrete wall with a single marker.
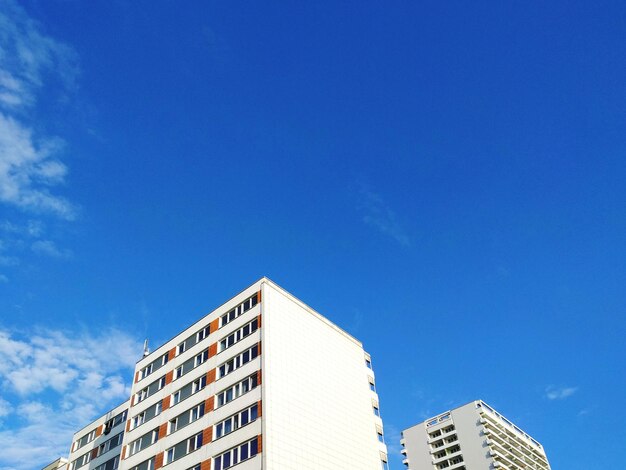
(317, 403)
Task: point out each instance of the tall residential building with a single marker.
(261, 382)
(471, 437)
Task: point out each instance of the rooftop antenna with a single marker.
(146, 350)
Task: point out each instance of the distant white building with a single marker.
(471, 437)
(261, 382)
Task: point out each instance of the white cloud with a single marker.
(49, 380)
(29, 57)
(5, 408)
(27, 170)
(32, 65)
(379, 215)
(559, 393)
(49, 248)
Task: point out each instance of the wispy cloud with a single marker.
(49, 380)
(49, 248)
(559, 393)
(28, 170)
(380, 216)
(31, 171)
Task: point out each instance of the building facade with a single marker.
(471, 437)
(262, 382)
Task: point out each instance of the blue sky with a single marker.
(444, 180)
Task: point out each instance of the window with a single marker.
(139, 419)
(181, 348)
(146, 371)
(161, 383)
(238, 361)
(372, 385)
(235, 391)
(164, 359)
(169, 455)
(176, 397)
(198, 384)
(200, 358)
(376, 410)
(239, 334)
(141, 395)
(178, 372)
(203, 333)
(196, 412)
(368, 363)
(173, 425)
(194, 442)
(238, 454)
(234, 422)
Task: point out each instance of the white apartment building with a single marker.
(471, 437)
(261, 382)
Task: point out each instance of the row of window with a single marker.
(191, 364)
(187, 390)
(143, 442)
(231, 457)
(81, 461)
(239, 334)
(193, 340)
(109, 444)
(154, 365)
(239, 310)
(115, 421)
(87, 438)
(182, 448)
(235, 391)
(91, 435)
(236, 421)
(145, 392)
(100, 450)
(147, 414)
(186, 418)
(238, 361)
(225, 460)
(112, 464)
